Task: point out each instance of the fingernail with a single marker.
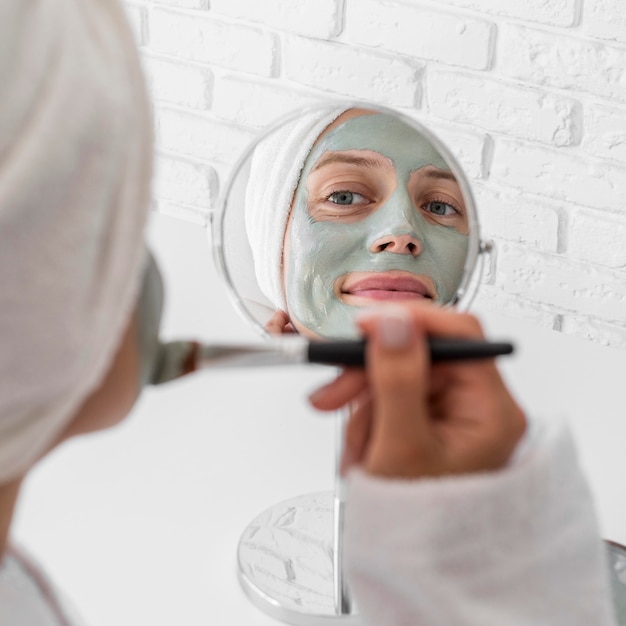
(313, 397)
(317, 394)
(367, 312)
(395, 329)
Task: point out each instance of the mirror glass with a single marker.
(339, 207)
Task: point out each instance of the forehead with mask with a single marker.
(377, 216)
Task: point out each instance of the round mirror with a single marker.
(335, 208)
(340, 207)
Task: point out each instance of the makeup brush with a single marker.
(178, 358)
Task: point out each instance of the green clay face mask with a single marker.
(377, 216)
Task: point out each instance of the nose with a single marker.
(398, 244)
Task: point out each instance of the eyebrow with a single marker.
(351, 159)
(440, 174)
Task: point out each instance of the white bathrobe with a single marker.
(516, 547)
(28, 597)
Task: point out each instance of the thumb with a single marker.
(398, 367)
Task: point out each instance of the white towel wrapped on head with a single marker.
(274, 175)
(75, 168)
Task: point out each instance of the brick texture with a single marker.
(411, 31)
(315, 19)
(530, 97)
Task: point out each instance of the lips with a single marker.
(397, 285)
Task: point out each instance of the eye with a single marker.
(347, 198)
(440, 208)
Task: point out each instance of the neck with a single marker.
(8, 498)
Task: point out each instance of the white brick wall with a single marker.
(499, 107)
(412, 31)
(605, 19)
(194, 36)
(351, 71)
(574, 178)
(236, 99)
(551, 12)
(190, 133)
(570, 62)
(186, 84)
(321, 19)
(605, 131)
(530, 95)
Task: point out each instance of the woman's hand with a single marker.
(411, 418)
(279, 324)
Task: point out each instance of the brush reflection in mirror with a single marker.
(374, 215)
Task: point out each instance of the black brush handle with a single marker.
(352, 353)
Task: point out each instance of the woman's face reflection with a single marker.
(377, 216)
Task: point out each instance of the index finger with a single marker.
(341, 391)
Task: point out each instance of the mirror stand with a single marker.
(289, 558)
(343, 601)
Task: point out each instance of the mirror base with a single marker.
(617, 562)
(285, 562)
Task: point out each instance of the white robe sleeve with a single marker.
(516, 547)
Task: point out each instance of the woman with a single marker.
(360, 208)
(78, 297)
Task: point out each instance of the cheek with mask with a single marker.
(335, 264)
